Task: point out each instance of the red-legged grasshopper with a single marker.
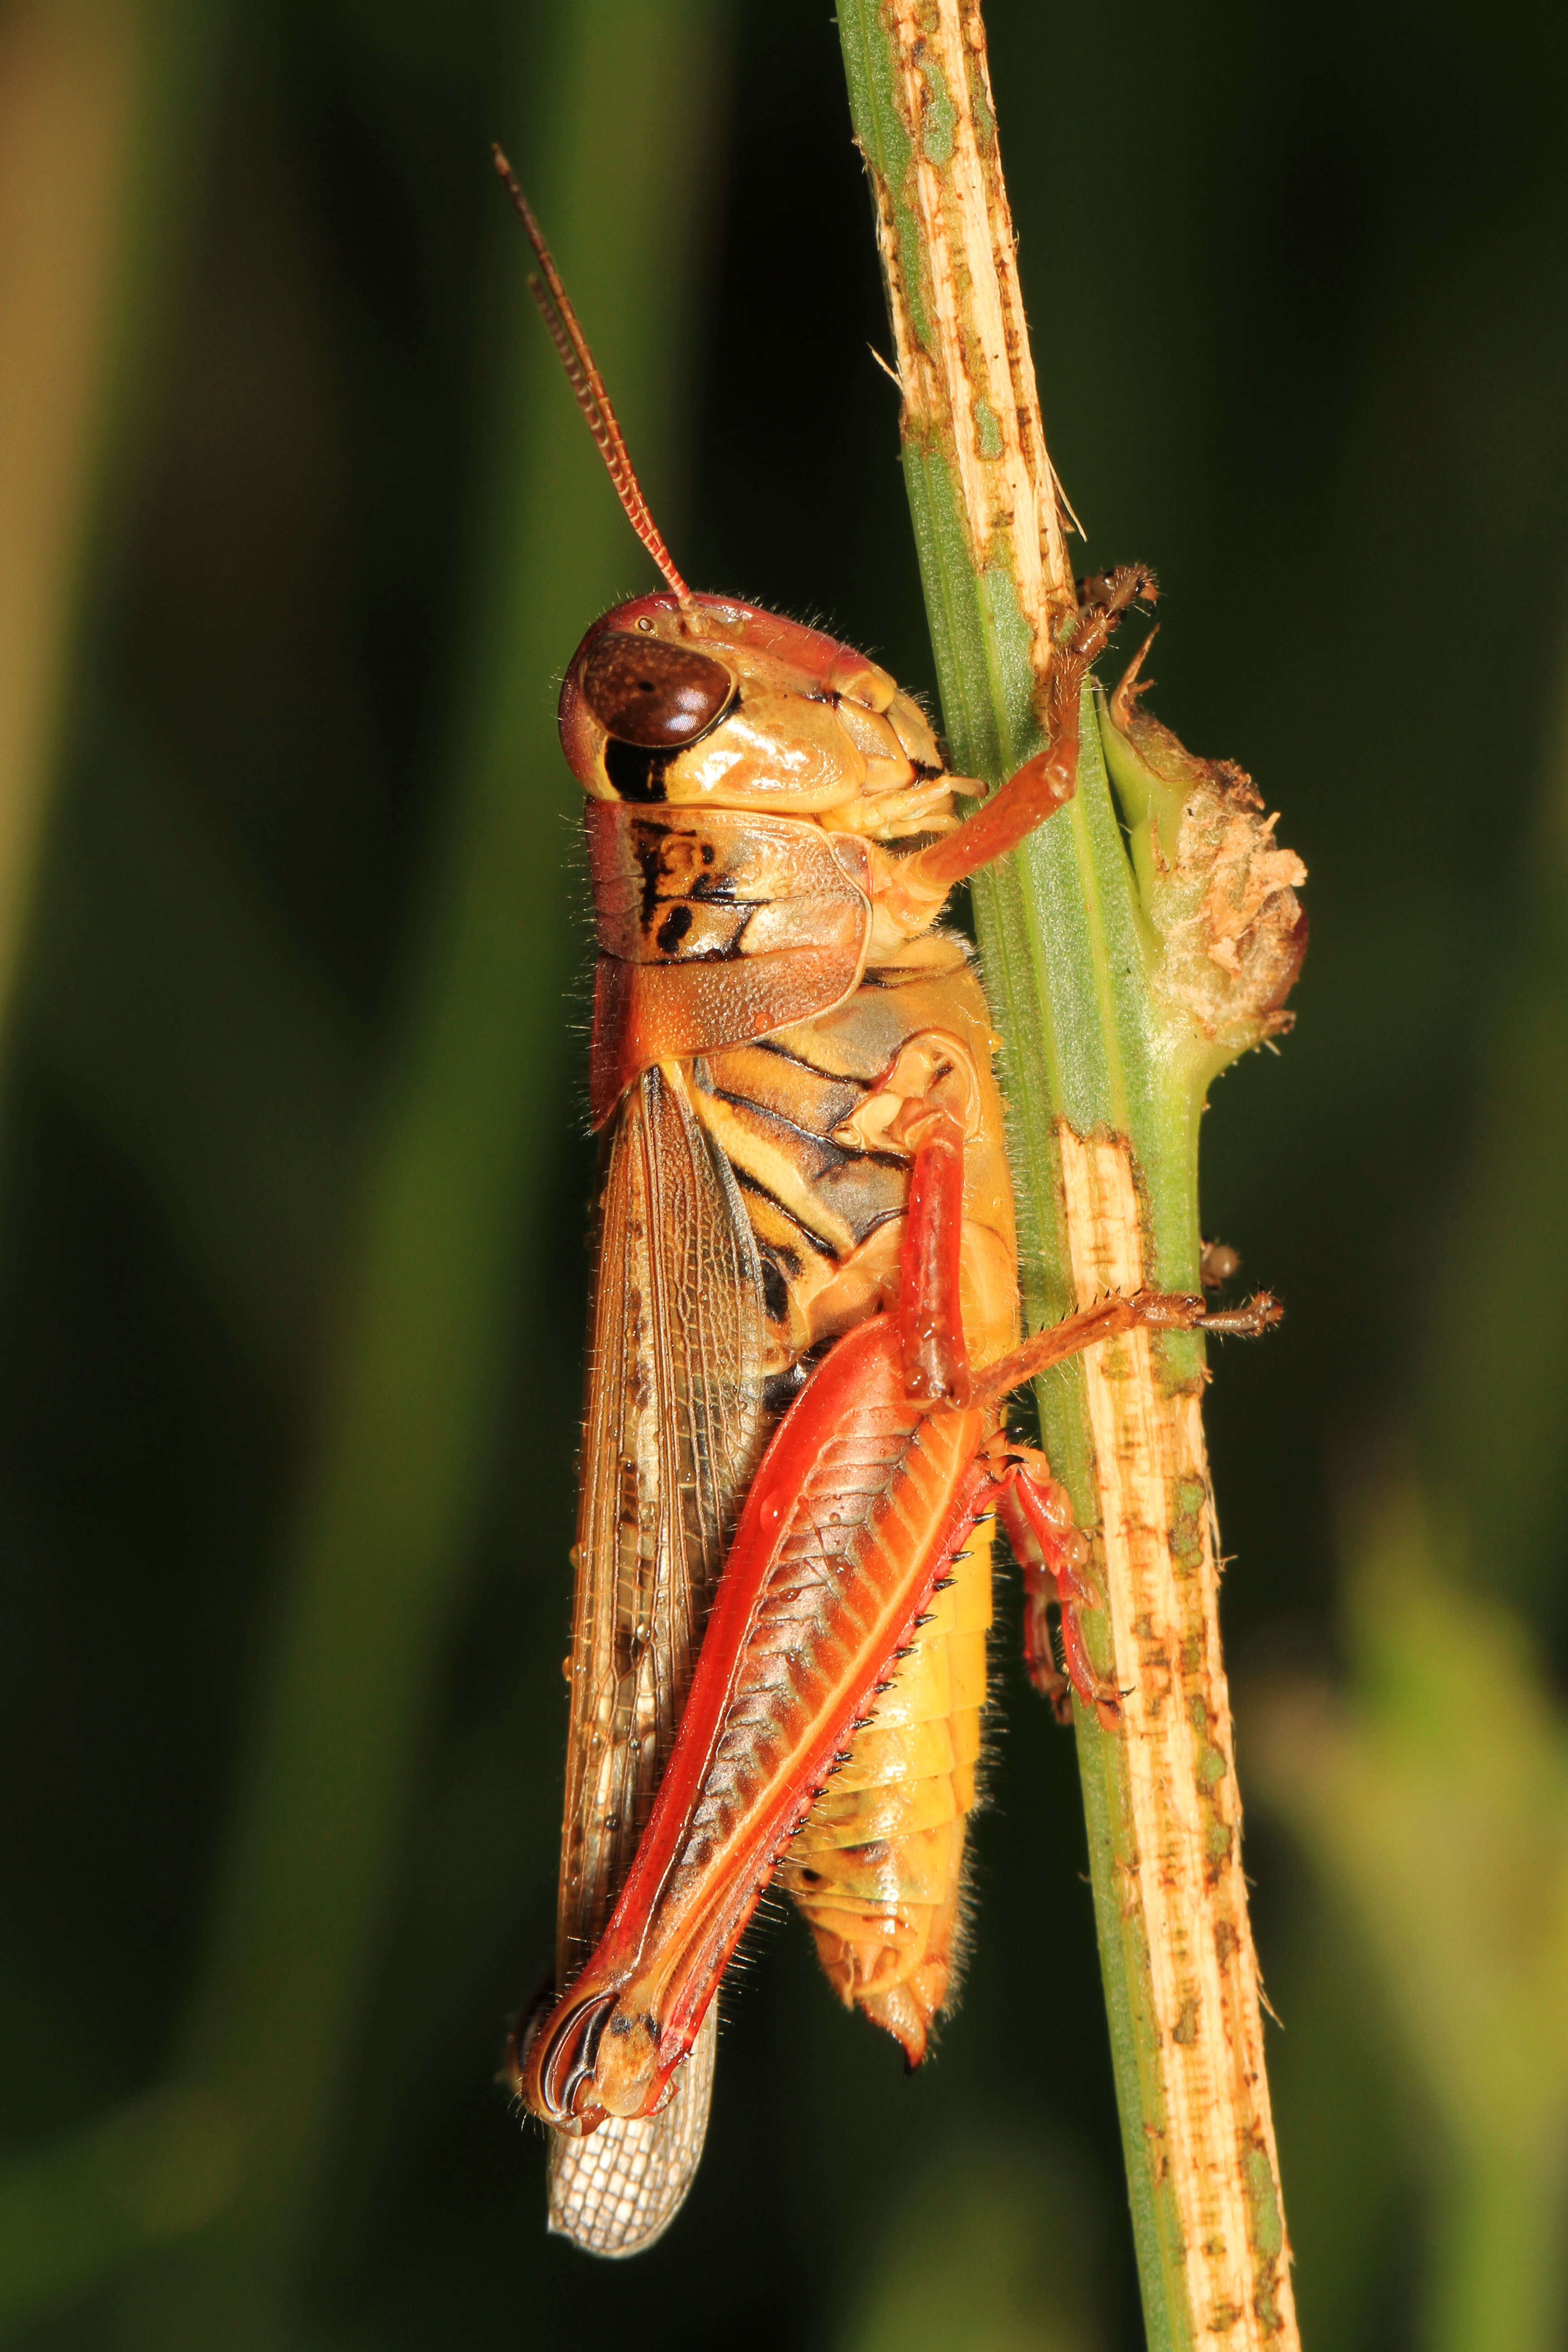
(804, 1332)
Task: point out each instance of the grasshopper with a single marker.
(803, 1335)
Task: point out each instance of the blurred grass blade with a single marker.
(1122, 986)
(1439, 1818)
(1497, 1376)
(103, 125)
(70, 81)
(474, 1104)
(230, 1098)
(1434, 1800)
(87, 2203)
(993, 2252)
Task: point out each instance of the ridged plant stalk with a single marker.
(1122, 982)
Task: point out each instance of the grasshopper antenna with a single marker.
(588, 384)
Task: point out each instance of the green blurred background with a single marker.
(298, 529)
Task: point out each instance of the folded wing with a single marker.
(671, 1436)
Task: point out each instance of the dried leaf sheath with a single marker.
(670, 1437)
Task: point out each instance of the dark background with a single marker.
(293, 1166)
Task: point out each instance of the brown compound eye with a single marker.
(652, 695)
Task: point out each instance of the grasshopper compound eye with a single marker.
(654, 696)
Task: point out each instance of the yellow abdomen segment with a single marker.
(878, 1867)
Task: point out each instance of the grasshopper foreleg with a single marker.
(1048, 781)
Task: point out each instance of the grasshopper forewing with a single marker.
(804, 1331)
(670, 1440)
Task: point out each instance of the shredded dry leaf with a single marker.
(1224, 904)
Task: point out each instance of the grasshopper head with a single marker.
(701, 700)
(698, 700)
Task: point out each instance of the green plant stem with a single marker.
(1105, 1087)
(87, 2204)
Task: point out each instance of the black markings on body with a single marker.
(831, 1154)
(801, 1062)
(636, 775)
(780, 1390)
(746, 1182)
(776, 1289)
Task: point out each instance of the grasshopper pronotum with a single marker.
(804, 1331)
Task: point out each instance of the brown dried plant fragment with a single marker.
(1218, 891)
